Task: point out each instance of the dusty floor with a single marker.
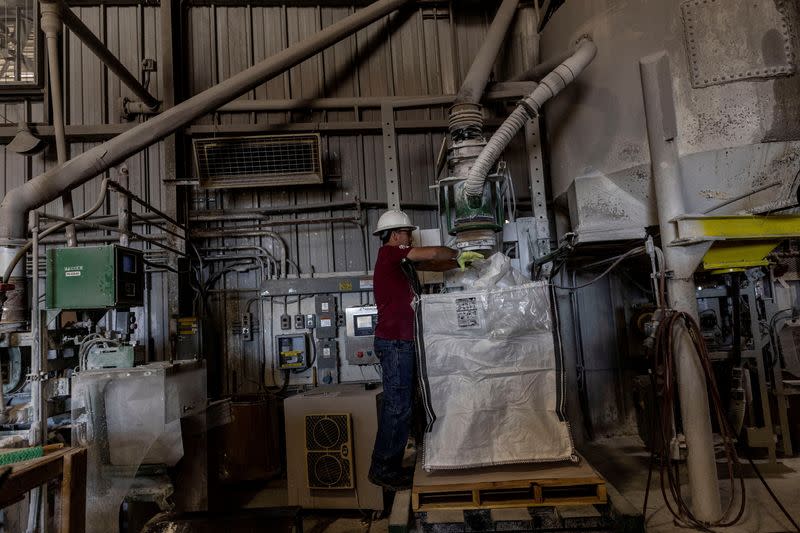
(624, 462)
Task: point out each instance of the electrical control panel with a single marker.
(292, 351)
(360, 325)
(327, 361)
(325, 306)
(95, 277)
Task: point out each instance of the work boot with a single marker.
(393, 483)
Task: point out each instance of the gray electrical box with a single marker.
(325, 306)
(360, 325)
(327, 362)
(292, 351)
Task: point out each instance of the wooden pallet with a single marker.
(531, 485)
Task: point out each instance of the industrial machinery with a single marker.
(94, 277)
(330, 433)
(360, 325)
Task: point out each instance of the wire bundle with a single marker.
(664, 382)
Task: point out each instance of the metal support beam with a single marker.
(682, 261)
(536, 183)
(106, 56)
(700, 228)
(390, 163)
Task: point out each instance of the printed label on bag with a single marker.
(467, 311)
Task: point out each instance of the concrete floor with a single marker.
(624, 462)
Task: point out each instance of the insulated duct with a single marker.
(528, 108)
(51, 184)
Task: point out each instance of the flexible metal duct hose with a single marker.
(551, 85)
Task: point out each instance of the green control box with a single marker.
(94, 277)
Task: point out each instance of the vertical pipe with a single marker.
(38, 429)
(124, 206)
(682, 261)
(478, 75)
(51, 26)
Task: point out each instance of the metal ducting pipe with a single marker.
(48, 186)
(466, 112)
(51, 26)
(528, 108)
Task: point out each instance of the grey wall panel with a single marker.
(421, 50)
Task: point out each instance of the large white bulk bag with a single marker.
(491, 382)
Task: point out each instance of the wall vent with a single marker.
(258, 161)
(329, 451)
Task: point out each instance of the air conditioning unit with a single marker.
(329, 451)
(330, 434)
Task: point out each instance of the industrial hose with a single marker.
(528, 108)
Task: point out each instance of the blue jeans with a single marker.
(397, 365)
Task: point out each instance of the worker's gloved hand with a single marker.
(464, 259)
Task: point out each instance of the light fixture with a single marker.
(25, 142)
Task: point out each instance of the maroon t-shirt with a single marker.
(393, 295)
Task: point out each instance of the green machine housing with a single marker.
(95, 277)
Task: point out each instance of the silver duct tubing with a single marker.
(478, 76)
(528, 108)
(106, 56)
(48, 186)
(466, 111)
(51, 26)
(11, 265)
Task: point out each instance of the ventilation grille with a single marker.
(329, 456)
(258, 161)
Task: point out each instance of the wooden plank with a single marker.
(30, 474)
(508, 487)
(73, 492)
(545, 474)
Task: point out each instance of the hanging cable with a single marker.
(663, 379)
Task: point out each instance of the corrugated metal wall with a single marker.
(418, 51)
(425, 49)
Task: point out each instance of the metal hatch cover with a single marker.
(732, 40)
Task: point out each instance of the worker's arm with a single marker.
(433, 258)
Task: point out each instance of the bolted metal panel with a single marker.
(730, 40)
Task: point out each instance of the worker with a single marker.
(394, 339)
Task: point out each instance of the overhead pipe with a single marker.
(88, 38)
(537, 72)
(466, 112)
(51, 26)
(46, 187)
(528, 108)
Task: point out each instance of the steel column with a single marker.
(682, 261)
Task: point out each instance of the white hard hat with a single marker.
(393, 219)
